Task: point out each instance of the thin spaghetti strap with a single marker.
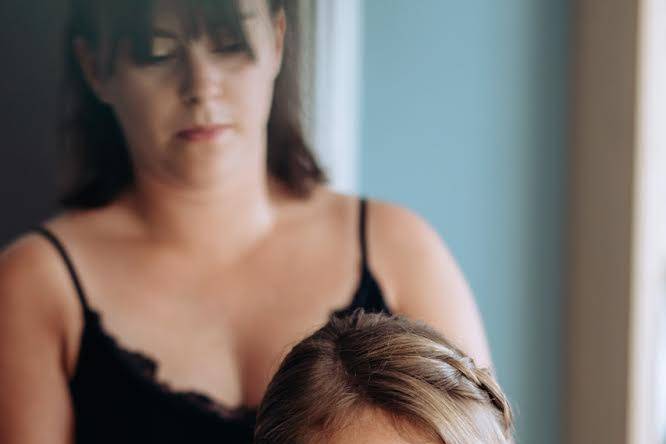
(68, 262)
(362, 232)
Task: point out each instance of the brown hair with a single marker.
(383, 363)
(97, 164)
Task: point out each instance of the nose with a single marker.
(202, 78)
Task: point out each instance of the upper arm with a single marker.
(35, 405)
(422, 280)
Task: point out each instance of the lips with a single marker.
(208, 132)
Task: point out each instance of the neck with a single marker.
(227, 214)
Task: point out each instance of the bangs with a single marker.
(133, 22)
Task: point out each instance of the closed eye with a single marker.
(232, 48)
(163, 47)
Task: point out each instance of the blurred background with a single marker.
(527, 132)
(464, 119)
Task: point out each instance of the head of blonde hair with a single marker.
(387, 364)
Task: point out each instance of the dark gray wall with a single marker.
(30, 50)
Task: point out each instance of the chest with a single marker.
(221, 331)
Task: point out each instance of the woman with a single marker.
(198, 238)
(377, 379)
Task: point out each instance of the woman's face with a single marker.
(195, 102)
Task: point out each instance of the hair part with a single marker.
(386, 364)
(95, 160)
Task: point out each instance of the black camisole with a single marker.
(118, 399)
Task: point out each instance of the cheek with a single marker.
(252, 93)
(254, 99)
(142, 104)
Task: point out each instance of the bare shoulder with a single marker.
(389, 226)
(421, 278)
(25, 260)
(330, 211)
(402, 227)
(33, 344)
(33, 261)
(325, 200)
(36, 295)
(32, 275)
(405, 251)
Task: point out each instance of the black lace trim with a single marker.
(146, 368)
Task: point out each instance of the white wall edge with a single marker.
(337, 90)
(647, 422)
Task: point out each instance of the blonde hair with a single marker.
(385, 363)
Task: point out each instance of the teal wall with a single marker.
(464, 121)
